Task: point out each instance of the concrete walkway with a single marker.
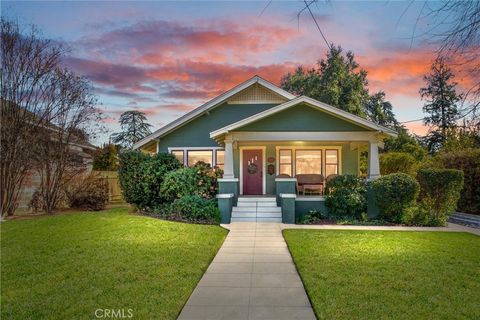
(251, 277)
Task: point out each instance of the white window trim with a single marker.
(294, 161)
(264, 162)
(186, 149)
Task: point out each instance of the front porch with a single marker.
(256, 167)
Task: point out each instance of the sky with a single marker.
(166, 58)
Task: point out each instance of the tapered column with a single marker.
(373, 160)
(228, 166)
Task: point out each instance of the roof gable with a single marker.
(275, 93)
(332, 111)
(301, 117)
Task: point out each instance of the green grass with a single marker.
(68, 266)
(388, 274)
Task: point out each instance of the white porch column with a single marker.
(373, 160)
(228, 166)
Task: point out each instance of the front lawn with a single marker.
(389, 274)
(67, 267)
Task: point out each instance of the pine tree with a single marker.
(134, 127)
(441, 103)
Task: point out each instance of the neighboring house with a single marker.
(258, 131)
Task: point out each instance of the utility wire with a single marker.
(316, 23)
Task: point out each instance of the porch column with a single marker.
(228, 166)
(373, 161)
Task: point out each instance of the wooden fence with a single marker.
(114, 190)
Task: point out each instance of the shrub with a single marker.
(393, 194)
(200, 180)
(440, 190)
(87, 193)
(142, 175)
(312, 217)
(394, 162)
(346, 196)
(469, 162)
(106, 159)
(194, 208)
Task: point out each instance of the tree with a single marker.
(337, 81)
(42, 106)
(380, 111)
(134, 128)
(441, 103)
(106, 159)
(406, 143)
(56, 160)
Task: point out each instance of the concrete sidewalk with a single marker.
(251, 277)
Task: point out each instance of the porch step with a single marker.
(257, 209)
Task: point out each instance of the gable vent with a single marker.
(256, 94)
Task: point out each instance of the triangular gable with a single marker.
(335, 117)
(264, 86)
(257, 94)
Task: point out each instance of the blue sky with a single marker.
(165, 58)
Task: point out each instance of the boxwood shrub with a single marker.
(439, 191)
(346, 196)
(141, 177)
(393, 194)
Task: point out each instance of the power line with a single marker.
(316, 23)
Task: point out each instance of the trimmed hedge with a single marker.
(469, 162)
(393, 194)
(346, 196)
(394, 162)
(440, 190)
(141, 177)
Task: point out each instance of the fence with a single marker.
(114, 190)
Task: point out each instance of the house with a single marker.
(264, 138)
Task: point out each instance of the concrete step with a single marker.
(244, 209)
(267, 204)
(269, 214)
(256, 199)
(264, 220)
(269, 209)
(244, 214)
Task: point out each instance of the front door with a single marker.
(252, 172)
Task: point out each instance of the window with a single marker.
(195, 156)
(308, 161)
(331, 162)
(179, 155)
(285, 162)
(220, 158)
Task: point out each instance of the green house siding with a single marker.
(196, 133)
(301, 118)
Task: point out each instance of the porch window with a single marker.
(220, 158)
(308, 162)
(331, 162)
(195, 156)
(285, 161)
(179, 155)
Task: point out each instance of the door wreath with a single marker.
(252, 168)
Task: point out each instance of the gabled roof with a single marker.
(210, 105)
(310, 102)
